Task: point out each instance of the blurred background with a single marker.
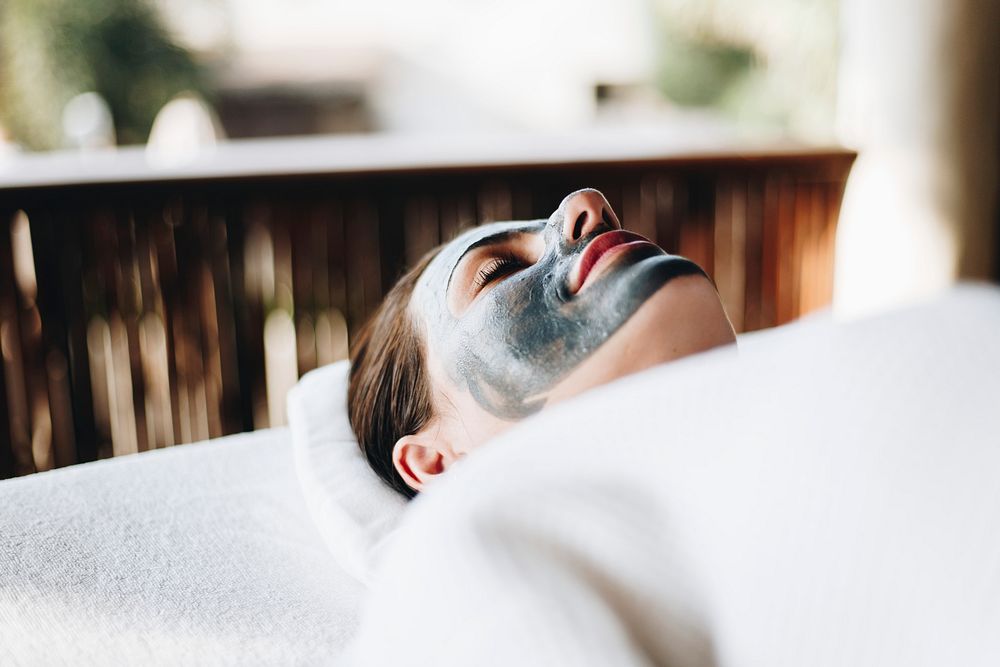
(200, 200)
(320, 66)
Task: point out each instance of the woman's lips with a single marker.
(601, 252)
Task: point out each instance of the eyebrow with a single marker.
(492, 239)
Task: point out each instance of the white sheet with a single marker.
(201, 554)
(828, 497)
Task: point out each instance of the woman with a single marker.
(509, 318)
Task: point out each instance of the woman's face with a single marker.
(507, 313)
(518, 314)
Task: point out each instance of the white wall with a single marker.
(918, 97)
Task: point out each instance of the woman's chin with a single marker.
(682, 318)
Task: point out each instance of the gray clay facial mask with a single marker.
(526, 330)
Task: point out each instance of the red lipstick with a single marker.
(601, 251)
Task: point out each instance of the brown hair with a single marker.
(388, 393)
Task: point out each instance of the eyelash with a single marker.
(497, 266)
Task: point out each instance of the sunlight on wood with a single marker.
(23, 256)
(259, 252)
(124, 439)
(331, 337)
(98, 345)
(155, 366)
(279, 363)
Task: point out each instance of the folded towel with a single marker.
(354, 510)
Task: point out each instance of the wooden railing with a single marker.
(142, 308)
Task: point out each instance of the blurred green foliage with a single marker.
(700, 72)
(51, 50)
(763, 62)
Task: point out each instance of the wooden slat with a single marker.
(52, 337)
(421, 230)
(754, 316)
(457, 214)
(697, 221)
(31, 355)
(11, 441)
(785, 248)
(666, 215)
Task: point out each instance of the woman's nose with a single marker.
(585, 211)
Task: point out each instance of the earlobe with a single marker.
(419, 459)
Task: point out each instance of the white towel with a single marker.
(354, 511)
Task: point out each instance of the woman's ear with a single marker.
(419, 458)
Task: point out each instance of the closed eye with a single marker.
(488, 261)
(498, 267)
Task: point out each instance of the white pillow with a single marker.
(353, 509)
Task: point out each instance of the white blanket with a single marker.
(201, 554)
(831, 496)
